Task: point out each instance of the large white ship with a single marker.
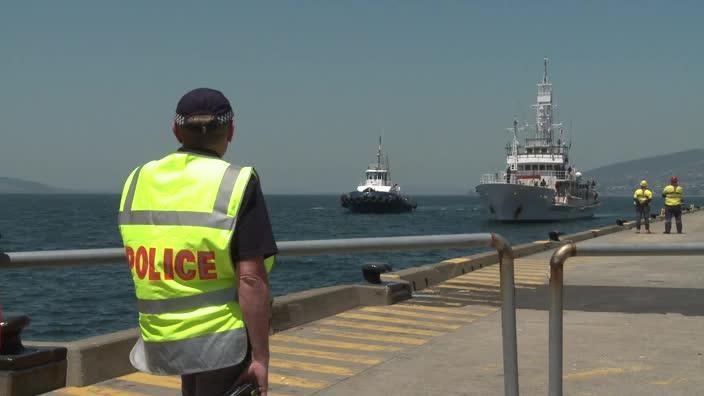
(539, 183)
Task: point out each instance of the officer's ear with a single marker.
(177, 132)
(230, 130)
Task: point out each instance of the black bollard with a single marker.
(11, 327)
(555, 235)
(27, 371)
(372, 272)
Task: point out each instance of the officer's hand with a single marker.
(257, 372)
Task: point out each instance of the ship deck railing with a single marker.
(500, 177)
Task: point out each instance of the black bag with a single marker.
(246, 389)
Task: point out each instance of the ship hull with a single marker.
(519, 203)
(376, 202)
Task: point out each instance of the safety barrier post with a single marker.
(557, 261)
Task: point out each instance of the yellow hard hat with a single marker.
(644, 183)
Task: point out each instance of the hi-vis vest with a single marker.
(643, 196)
(177, 217)
(673, 195)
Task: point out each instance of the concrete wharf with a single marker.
(632, 326)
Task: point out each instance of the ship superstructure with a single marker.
(539, 183)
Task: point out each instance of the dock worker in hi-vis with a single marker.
(673, 194)
(641, 198)
(199, 245)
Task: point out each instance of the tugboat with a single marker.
(539, 183)
(378, 194)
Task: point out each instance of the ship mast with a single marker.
(378, 155)
(514, 146)
(544, 109)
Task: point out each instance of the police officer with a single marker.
(641, 198)
(673, 204)
(199, 246)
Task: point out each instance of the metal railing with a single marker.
(62, 258)
(500, 177)
(557, 262)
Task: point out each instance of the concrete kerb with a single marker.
(310, 305)
(96, 359)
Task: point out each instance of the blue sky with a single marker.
(89, 89)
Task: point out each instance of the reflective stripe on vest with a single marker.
(166, 358)
(185, 279)
(217, 297)
(218, 218)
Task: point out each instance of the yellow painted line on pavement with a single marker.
(466, 292)
(390, 310)
(494, 280)
(515, 277)
(442, 302)
(314, 353)
(155, 380)
(387, 319)
(533, 274)
(371, 337)
(392, 329)
(453, 311)
(670, 381)
(466, 298)
(459, 285)
(313, 367)
(94, 390)
(296, 382)
(604, 372)
(491, 282)
(335, 344)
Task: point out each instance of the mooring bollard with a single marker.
(27, 371)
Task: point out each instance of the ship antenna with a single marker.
(378, 155)
(545, 74)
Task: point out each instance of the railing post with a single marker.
(508, 315)
(555, 337)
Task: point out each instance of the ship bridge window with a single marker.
(534, 167)
(529, 150)
(542, 167)
(544, 150)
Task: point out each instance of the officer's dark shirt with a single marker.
(253, 235)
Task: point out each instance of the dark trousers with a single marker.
(643, 212)
(676, 212)
(215, 382)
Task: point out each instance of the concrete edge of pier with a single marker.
(95, 359)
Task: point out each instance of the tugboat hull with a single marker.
(517, 203)
(376, 202)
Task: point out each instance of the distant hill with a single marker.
(11, 185)
(622, 178)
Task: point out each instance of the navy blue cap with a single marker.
(203, 106)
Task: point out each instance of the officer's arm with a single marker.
(253, 291)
